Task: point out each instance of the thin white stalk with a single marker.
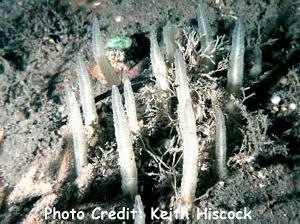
(79, 139)
(139, 208)
(87, 101)
(169, 40)
(99, 54)
(124, 145)
(221, 146)
(159, 67)
(187, 125)
(130, 106)
(236, 59)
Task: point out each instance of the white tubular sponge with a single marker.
(139, 208)
(124, 145)
(221, 146)
(204, 28)
(79, 139)
(87, 100)
(187, 125)
(169, 40)
(130, 106)
(159, 67)
(99, 54)
(236, 59)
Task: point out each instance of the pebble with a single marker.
(118, 19)
(293, 106)
(275, 100)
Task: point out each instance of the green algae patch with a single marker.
(119, 42)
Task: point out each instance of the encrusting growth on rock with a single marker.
(37, 214)
(29, 187)
(188, 130)
(124, 145)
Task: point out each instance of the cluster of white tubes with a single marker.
(125, 121)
